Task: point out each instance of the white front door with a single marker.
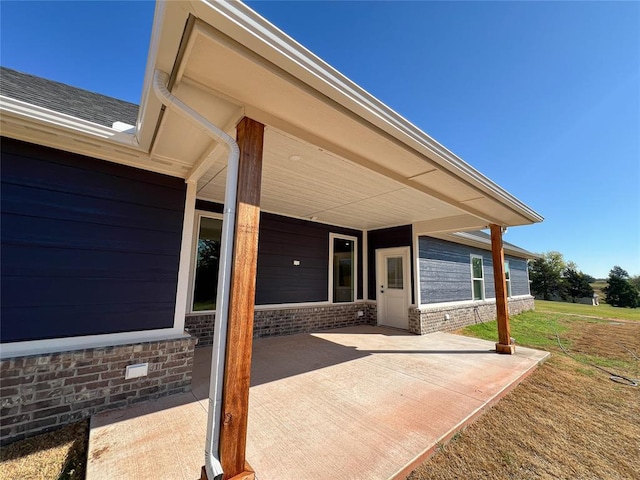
(393, 286)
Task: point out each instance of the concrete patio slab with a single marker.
(359, 402)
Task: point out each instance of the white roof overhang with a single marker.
(332, 152)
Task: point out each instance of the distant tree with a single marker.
(575, 284)
(619, 291)
(589, 278)
(545, 274)
(635, 281)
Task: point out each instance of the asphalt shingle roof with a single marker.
(90, 106)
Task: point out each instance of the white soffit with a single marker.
(262, 39)
(275, 98)
(321, 185)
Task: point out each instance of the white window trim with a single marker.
(471, 257)
(332, 236)
(507, 280)
(199, 214)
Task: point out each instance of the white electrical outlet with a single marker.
(360, 313)
(135, 371)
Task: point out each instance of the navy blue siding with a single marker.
(387, 238)
(445, 272)
(88, 246)
(281, 240)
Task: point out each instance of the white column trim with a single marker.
(182, 291)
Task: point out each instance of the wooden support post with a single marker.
(502, 307)
(235, 393)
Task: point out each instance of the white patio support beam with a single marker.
(502, 306)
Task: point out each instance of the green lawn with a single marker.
(566, 420)
(532, 329)
(601, 311)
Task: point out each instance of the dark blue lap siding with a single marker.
(387, 238)
(88, 246)
(445, 271)
(282, 240)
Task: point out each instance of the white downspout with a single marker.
(160, 80)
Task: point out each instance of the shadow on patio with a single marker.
(357, 402)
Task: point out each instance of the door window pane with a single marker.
(207, 262)
(343, 270)
(395, 278)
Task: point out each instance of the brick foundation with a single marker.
(290, 320)
(200, 325)
(432, 319)
(42, 392)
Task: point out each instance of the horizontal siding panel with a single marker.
(282, 261)
(519, 277)
(30, 151)
(445, 271)
(50, 291)
(19, 170)
(88, 246)
(282, 240)
(87, 321)
(28, 261)
(33, 202)
(46, 232)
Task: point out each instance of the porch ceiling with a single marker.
(305, 181)
(321, 161)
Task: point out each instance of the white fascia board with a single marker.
(253, 31)
(169, 21)
(63, 121)
(34, 124)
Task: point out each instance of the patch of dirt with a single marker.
(613, 340)
(566, 421)
(57, 455)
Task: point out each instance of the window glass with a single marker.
(477, 279)
(207, 262)
(478, 293)
(477, 267)
(343, 270)
(395, 279)
(507, 276)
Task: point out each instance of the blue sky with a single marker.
(542, 97)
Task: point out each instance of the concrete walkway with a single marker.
(357, 402)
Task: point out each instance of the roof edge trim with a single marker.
(291, 51)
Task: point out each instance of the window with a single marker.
(477, 277)
(395, 278)
(205, 283)
(507, 276)
(342, 268)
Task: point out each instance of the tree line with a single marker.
(552, 277)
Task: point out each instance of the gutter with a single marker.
(265, 39)
(212, 454)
